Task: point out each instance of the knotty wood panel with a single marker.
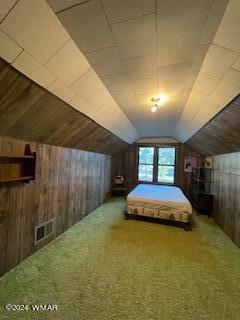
(29, 112)
(183, 179)
(69, 184)
(125, 163)
(221, 134)
(226, 194)
(221, 137)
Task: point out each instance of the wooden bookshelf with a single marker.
(18, 167)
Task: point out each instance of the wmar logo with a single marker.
(44, 307)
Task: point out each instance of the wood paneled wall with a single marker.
(125, 163)
(220, 138)
(227, 194)
(221, 134)
(183, 179)
(29, 112)
(69, 184)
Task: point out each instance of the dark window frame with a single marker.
(155, 164)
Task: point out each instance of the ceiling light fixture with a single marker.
(158, 102)
(154, 108)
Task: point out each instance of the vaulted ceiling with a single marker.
(108, 58)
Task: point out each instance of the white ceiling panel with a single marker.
(136, 37)
(192, 76)
(182, 102)
(124, 96)
(61, 90)
(41, 37)
(141, 68)
(213, 20)
(9, 50)
(218, 60)
(205, 83)
(218, 100)
(228, 32)
(201, 118)
(33, 69)
(178, 47)
(68, 64)
(125, 10)
(59, 5)
(88, 26)
(230, 84)
(236, 65)
(5, 7)
(93, 114)
(195, 101)
(99, 98)
(87, 84)
(79, 104)
(106, 61)
(116, 82)
(144, 100)
(145, 86)
(172, 78)
(199, 57)
(175, 15)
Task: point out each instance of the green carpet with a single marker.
(108, 268)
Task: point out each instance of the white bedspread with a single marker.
(168, 196)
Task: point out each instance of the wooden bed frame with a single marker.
(186, 225)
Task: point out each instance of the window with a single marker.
(156, 164)
(145, 164)
(166, 165)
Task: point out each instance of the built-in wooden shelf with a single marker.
(18, 167)
(26, 179)
(15, 156)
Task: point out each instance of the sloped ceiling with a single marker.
(141, 48)
(35, 42)
(221, 134)
(111, 57)
(30, 112)
(218, 81)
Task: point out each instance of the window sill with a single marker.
(157, 183)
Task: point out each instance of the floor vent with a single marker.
(44, 231)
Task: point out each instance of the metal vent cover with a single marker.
(44, 230)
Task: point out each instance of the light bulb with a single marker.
(160, 103)
(154, 109)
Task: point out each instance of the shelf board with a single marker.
(26, 178)
(15, 156)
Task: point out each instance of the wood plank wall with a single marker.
(220, 138)
(227, 194)
(125, 163)
(69, 184)
(183, 179)
(221, 134)
(30, 112)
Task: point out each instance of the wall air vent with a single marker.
(44, 230)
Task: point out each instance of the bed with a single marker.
(166, 203)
